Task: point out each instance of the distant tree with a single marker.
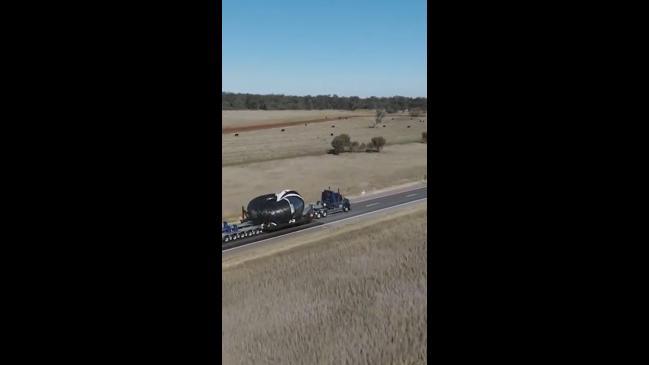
(415, 112)
(390, 109)
(354, 146)
(341, 143)
(237, 101)
(379, 118)
(378, 143)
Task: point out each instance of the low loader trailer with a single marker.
(231, 232)
(268, 214)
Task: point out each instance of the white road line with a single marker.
(369, 205)
(409, 195)
(372, 197)
(326, 224)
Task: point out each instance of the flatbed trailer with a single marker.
(331, 203)
(231, 232)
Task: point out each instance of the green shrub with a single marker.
(341, 143)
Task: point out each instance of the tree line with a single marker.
(237, 101)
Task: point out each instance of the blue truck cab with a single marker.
(331, 202)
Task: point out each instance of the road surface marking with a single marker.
(409, 195)
(326, 224)
(369, 205)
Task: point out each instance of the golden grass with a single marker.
(356, 297)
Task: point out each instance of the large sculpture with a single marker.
(278, 209)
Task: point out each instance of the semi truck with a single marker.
(331, 202)
(273, 212)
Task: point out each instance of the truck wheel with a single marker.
(317, 215)
(346, 209)
(226, 239)
(324, 214)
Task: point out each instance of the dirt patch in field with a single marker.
(358, 296)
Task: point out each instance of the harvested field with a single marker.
(351, 172)
(297, 140)
(357, 297)
(233, 119)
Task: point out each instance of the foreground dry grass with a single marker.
(313, 139)
(351, 172)
(357, 297)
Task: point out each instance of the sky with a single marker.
(321, 47)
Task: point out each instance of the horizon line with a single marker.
(343, 96)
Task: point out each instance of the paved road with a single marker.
(358, 208)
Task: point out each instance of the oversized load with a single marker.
(275, 210)
(272, 212)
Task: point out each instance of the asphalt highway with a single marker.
(360, 206)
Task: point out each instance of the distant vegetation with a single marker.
(378, 143)
(415, 112)
(343, 143)
(380, 114)
(234, 101)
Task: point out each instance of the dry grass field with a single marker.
(309, 175)
(312, 139)
(357, 297)
(244, 118)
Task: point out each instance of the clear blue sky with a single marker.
(345, 47)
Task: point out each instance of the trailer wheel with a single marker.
(346, 209)
(226, 239)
